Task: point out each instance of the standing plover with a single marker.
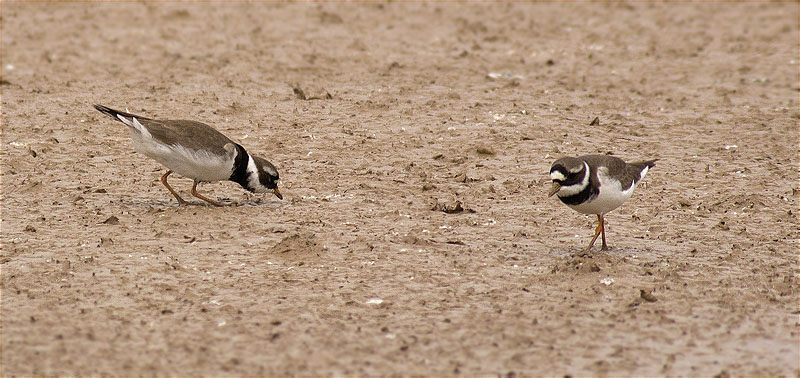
(596, 184)
(197, 151)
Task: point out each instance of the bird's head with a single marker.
(567, 173)
(263, 177)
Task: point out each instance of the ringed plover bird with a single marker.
(596, 184)
(197, 151)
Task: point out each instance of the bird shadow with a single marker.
(195, 204)
(596, 252)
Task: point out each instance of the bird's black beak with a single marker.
(277, 193)
(554, 189)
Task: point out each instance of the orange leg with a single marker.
(597, 231)
(174, 193)
(202, 197)
(603, 229)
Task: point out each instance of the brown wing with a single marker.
(613, 164)
(190, 134)
(628, 174)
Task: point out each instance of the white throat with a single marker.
(571, 190)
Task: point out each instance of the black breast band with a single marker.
(587, 194)
(239, 174)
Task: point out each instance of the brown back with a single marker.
(626, 173)
(190, 134)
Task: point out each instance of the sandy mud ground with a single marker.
(406, 106)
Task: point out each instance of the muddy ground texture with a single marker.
(379, 117)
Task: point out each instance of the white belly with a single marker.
(197, 165)
(611, 196)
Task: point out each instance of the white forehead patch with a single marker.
(576, 169)
(556, 175)
(271, 171)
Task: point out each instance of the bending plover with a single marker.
(596, 184)
(197, 151)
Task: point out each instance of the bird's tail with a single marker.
(646, 163)
(642, 167)
(131, 120)
(116, 114)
